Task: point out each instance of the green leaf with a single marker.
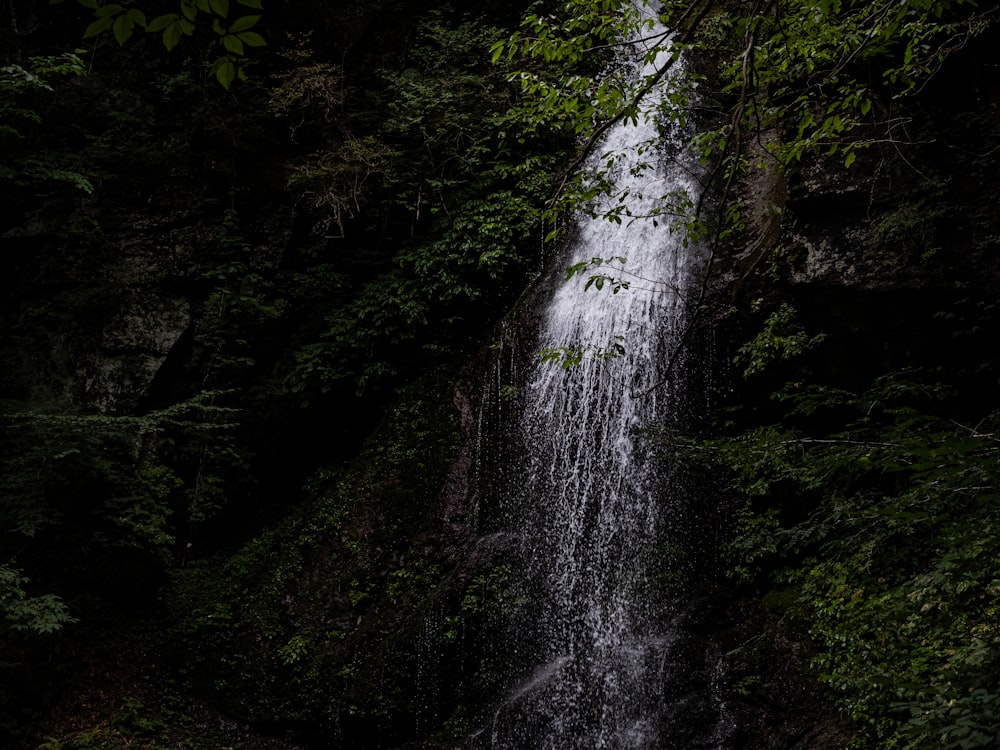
(220, 7)
(243, 23)
(850, 159)
(160, 23)
(108, 10)
(225, 71)
(137, 17)
(252, 39)
(251, 4)
(40, 614)
(189, 9)
(232, 44)
(172, 35)
(98, 27)
(123, 28)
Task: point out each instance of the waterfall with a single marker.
(591, 638)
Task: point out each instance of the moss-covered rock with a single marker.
(345, 619)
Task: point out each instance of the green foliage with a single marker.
(559, 96)
(910, 230)
(571, 356)
(121, 22)
(242, 303)
(18, 85)
(41, 614)
(598, 281)
(464, 203)
(314, 92)
(151, 721)
(568, 88)
(487, 593)
(322, 613)
(814, 67)
(16, 80)
(881, 509)
(926, 623)
(424, 223)
(781, 338)
(297, 648)
(114, 484)
(822, 76)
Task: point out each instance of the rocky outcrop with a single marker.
(134, 345)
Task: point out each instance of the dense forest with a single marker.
(261, 260)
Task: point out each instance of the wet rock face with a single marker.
(104, 300)
(835, 235)
(85, 339)
(821, 227)
(134, 345)
(912, 212)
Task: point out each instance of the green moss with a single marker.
(323, 614)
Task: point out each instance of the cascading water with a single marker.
(590, 634)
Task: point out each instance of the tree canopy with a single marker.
(822, 74)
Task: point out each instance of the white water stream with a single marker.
(589, 504)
